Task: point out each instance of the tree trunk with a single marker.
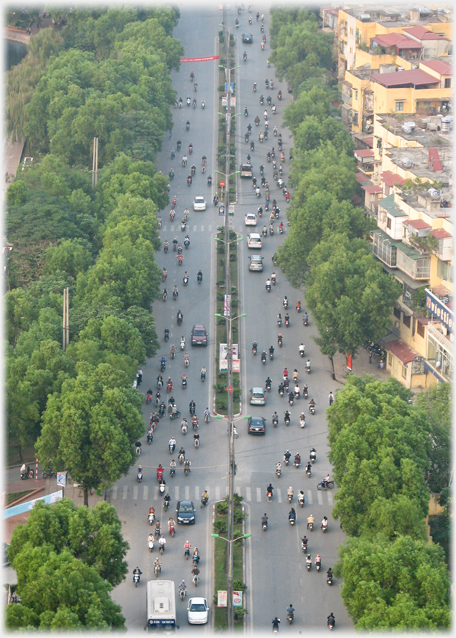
(333, 372)
(86, 497)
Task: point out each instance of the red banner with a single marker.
(349, 361)
(208, 59)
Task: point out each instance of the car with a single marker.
(254, 240)
(257, 396)
(185, 512)
(199, 335)
(247, 38)
(256, 263)
(250, 219)
(256, 425)
(198, 611)
(199, 203)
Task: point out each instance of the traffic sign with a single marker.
(221, 210)
(229, 389)
(231, 209)
(222, 184)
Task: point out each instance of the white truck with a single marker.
(161, 606)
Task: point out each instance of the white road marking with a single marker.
(187, 492)
(217, 493)
(258, 491)
(320, 498)
(125, 491)
(135, 493)
(309, 497)
(248, 492)
(146, 492)
(279, 494)
(330, 498)
(176, 492)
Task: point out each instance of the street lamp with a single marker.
(230, 573)
(231, 463)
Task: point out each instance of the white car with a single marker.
(199, 203)
(250, 219)
(198, 611)
(257, 396)
(254, 240)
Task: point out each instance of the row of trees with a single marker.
(349, 295)
(384, 457)
(100, 244)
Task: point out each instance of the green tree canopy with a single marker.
(91, 426)
(401, 585)
(349, 295)
(60, 592)
(93, 535)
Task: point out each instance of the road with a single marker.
(275, 568)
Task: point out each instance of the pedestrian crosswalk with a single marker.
(216, 493)
(194, 228)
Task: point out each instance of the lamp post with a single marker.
(230, 542)
(231, 463)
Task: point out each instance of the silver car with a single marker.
(256, 263)
(257, 396)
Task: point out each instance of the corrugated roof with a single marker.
(444, 68)
(364, 152)
(391, 207)
(388, 39)
(401, 350)
(416, 31)
(362, 178)
(390, 178)
(415, 77)
(417, 224)
(435, 159)
(440, 233)
(372, 189)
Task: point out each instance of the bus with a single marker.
(161, 606)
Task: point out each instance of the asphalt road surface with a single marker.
(275, 569)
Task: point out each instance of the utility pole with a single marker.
(95, 163)
(66, 320)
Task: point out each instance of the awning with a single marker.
(401, 351)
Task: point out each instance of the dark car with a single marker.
(185, 512)
(256, 425)
(199, 335)
(247, 38)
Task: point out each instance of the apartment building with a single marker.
(410, 194)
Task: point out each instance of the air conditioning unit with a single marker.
(397, 324)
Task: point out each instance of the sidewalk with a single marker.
(12, 154)
(360, 366)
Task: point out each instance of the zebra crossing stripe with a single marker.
(279, 494)
(146, 492)
(320, 498)
(237, 490)
(196, 492)
(124, 491)
(309, 497)
(330, 498)
(176, 492)
(187, 492)
(248, 493)
(195, 227)
(135, 493)
(258, 491)
(155, 492)
(217, 493)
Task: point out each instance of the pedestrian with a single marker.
(140, 373)
(370, 357)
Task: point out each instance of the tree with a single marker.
(91, 426)
(436, 403)
(71, 256)
(349, 295)
(60, 592)
(401, 584)
(315, 102)
(93, 535)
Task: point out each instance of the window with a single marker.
(420, 329)
(397, 312)
(448, 83)
(444, 270)
(406, 320)
(404, 372)
(356, 92)
(388, 222)
(399, 105)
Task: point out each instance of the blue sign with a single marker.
(221, 210)
(439, 310)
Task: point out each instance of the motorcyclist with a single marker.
(309, 467)
(287, 415)
(310, 519)
(136, 571)
(172, 444)
(172, 465)
(263, 356)
(302, 348)
(273, 277)
(205, 495)
(287, 454)
(162, 542)
(264, 520)
(305, 389)
(276, 621)
(308, 364)
(285, 301)
(187, 547)
(281, 387)
(196, 436)
(207, 412)
(292, 514)
(275, 418)
(317, 560)
(329, 573)
(301, 497)
(183, 586)
(290, 492)
(295, 375)
(308, 560)
(331, 620)
(271, 351)
(270, 489)
(313, 454)
(291, 396)
(297, 459)
(199, 275)
(182, 451)
(192, 407)
(195, 571)
(279, 338)
(312, 403)
(290, 610)
(196, 556)
(268, 382)
(167, 499)
(279, 318)
(304, 541)
(324, 522)
(279, 467)
(305, 317)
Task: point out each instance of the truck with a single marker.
(161, 606)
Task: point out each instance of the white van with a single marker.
(161, 606)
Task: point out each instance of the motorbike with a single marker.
(309, 566)
(329, 580)
(184, 383)
(279, 322)
(329, 485)
(302, 422)
(184, 428)
(270, 495)
(161, 488)
(304, 547)
(287, 420)
(305, 321)
(305, 393)
(301, 501)
(312, 409)
(278, 472)
(286, 460)
(172, 530)
(176, 415)
(136, 578)
(302, 352)
(264, 525)
(172, 471)
(287, 323)
(151, 544)
(254, 348)
(291, 400)
(275, 422)
(331, 624)
(289, 497)
(204, 501)
(308, 472)
(313, 456)
(292, 521)
(151, 518)
(139, 477)
(324, 528)
(290, 617)
(182, 343)
(186, 553)
(185, 281)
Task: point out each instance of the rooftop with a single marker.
(391, 207)
(444, 68)
(440, 233)
(401, 350)
(398, 40)
(372, 189)
(420, 133)
(397, 14)
(390, 179)
(414, 77)
(416, 160)
(417, 224)
(422, 33)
